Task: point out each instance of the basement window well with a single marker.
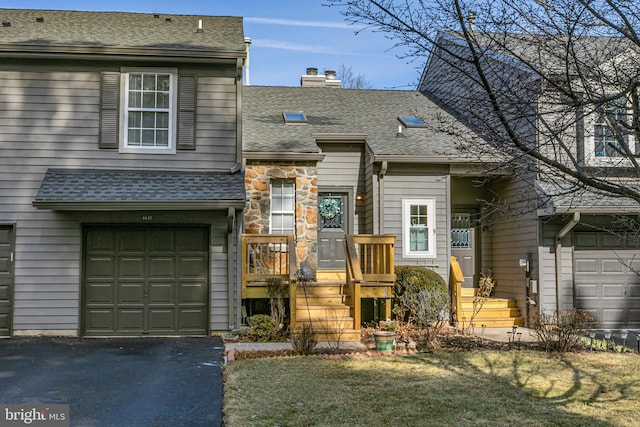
(411, 121)
(294, 117)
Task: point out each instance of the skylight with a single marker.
(294, 117)
(411, 121)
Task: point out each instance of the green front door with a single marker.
(333, 224)
(146, 280)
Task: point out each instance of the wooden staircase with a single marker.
(495, 313)
(324, 306)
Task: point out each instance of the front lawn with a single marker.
(442, 388)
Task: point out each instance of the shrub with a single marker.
(262, 328)
(561, 331)
(304, 340)
(422, 297)
(278, 292)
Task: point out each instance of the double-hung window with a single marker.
(149, 111)
(609, 127)
(283, 206)
(418, 228)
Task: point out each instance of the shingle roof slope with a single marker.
(348, 111)
(78, 185)
(62, 28)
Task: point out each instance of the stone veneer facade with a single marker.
(258, 176)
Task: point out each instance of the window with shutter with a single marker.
(147, 110)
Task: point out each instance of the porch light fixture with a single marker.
(359, 199)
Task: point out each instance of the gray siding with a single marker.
(50, 120)
(514, 236)
(343, 166)
(399, 186)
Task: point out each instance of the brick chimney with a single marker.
(313, 79)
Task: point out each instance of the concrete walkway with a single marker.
(524, 335)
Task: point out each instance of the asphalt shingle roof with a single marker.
(348, 111)
(104, 186)
(62, 28)
(565, 197)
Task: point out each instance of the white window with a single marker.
(283, 206)
(418, 228)
(149, 105)
(606, 139)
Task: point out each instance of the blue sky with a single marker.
(287, 37)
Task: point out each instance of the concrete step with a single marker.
(489, 313)
(495, 323)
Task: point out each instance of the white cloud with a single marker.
(298, 47)
(298, 23)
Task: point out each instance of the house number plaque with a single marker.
(147, 217)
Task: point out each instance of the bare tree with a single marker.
(351, 80)
(551, 85)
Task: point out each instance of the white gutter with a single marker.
(565, 230)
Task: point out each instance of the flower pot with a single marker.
(384, 340)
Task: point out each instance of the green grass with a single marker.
(443, 388)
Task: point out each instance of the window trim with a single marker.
(281, 212)
(431, 230)
(124, 110)
(592, 159)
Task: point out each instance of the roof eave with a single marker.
(110, 52)
(180, 205)
(278, 155)
(406, 158)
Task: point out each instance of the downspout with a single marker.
(238, 164)
(231, 263)
(565, 230)
(381, 174)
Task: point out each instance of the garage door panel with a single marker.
(610, 290)
(131, 240)
(162, 267)
(192, 293)
(161, 293)
(162, 240)
(586, 266)
(131, 319)
(193, 241)
(143, 280)
(162, 319)
(100, 293)
(192, 319)
(613, 266)
(101, 241)
(193, 267)
(100, 320)
(131, 267)
(98, 267)
(587, 291)
(606, 288)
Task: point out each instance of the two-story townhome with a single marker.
(577, 244)
(322, 162)
(121, 191)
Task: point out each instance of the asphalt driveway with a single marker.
(117, 382)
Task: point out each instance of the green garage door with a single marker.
(146, 280)
(6, 278)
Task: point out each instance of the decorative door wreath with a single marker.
(329, 208)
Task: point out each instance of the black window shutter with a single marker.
(109, 100)
(187, 89)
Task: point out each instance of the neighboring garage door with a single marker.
(146, 280)
(606, 288)
(6, 278)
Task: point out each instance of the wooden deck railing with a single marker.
(265, 257)
(455, 283)
(370, 270)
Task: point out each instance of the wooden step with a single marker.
(329, 300)
(323, 288)
(495, 312)
(331, 276)
(321, 311)
(331, 336)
